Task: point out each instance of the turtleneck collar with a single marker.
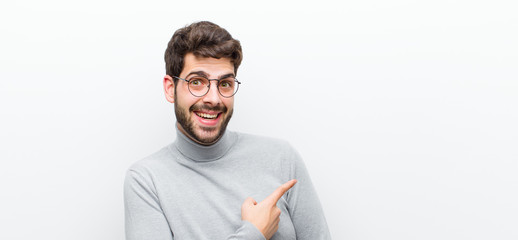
(201, 153)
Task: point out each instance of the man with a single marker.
(204, 184)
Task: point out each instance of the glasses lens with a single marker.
(198, 86)
(228, 87)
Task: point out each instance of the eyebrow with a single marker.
(205, 75)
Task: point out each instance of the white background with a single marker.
(404, 111)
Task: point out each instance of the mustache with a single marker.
(218, 108)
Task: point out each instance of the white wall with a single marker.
(405, 111)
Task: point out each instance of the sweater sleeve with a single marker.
(145, 220)
(305, 209)
(247, 231)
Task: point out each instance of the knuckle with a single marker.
(277, 211)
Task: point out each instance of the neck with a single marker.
(203, 152)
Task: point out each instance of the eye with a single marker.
(196, 82)
(226, 83)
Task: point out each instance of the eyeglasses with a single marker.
(199, 86)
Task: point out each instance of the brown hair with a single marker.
(203, 39)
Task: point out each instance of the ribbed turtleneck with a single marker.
(202, 153)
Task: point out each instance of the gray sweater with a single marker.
(187, 191)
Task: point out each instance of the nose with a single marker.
(212, 97)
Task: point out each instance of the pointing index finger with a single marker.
(277, 194)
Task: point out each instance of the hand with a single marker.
(265, 215)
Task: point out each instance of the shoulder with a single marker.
(252, 139)
(153, 161)
(258, 143)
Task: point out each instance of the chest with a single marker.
(204, 202)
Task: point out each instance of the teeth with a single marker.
(209, 116)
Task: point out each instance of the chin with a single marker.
(208, 135)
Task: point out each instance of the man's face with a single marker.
(203, 119)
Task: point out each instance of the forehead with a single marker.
(213, 67)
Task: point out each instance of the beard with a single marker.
(183, 117)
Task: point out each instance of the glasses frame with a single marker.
(208, 88)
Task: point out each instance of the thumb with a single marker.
(249, 201)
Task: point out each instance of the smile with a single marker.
(207, 115)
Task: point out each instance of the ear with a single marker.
(169, 88)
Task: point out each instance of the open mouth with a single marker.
(207, 115)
